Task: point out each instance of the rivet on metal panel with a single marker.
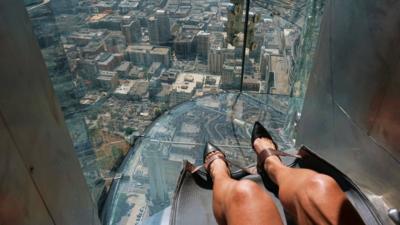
(394, 214)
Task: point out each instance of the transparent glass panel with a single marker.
(282, 38)
(144, 84)
(147, 179)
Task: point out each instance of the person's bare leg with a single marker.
(240, 202)
(311, 197)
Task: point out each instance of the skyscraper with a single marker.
(264, 63)
(159, 28)
(235, 24)
(152, 26)
(132, 31)
(185, 46)
(215, 60)
(203, 42)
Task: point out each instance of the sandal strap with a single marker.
(193, 169)
(261, 157)
(265, 153)
(216, 155)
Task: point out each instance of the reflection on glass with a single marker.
(164, 76)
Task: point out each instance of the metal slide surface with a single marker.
(193, 198)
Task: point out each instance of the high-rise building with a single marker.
(106, 61)
(159, 28)
(152, 26)
(215, 60)
(87, 69)
(258, 41)
(235, 24)
(127, 6)
(154, 87)
(137, 54)
(203, 44)
(115, 42)
(132, 31)
(228, 73)
(185, 46)
(278, 76)
(160, 54)
(145, 55)
(230, 77)
(264, 63)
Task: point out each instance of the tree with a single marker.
(129, 130)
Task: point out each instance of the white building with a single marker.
(187, 84)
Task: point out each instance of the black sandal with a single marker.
(259, 131)
(210, 154)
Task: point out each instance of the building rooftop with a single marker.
(203, 33)
(98, 17)
(125, 87)
(107, 73)
(88, 34)
(187, 36)
(132, 48)
(150, 48)
(160, 50)
(124, 66)
(154, 67)
(140, 87)
(129, 4)
(187, 82)
(104, 78)
(104, 58)
(280, 68)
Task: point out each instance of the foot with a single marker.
(263, 145)
(215, 162)
(259, 131)
(268, 163)
(218, 167)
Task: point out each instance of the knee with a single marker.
(245, 190)
(320, 185)
(320, 182)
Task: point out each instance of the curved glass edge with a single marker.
(304, 58)
(81, 42)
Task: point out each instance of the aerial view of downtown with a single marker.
(143, 84)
